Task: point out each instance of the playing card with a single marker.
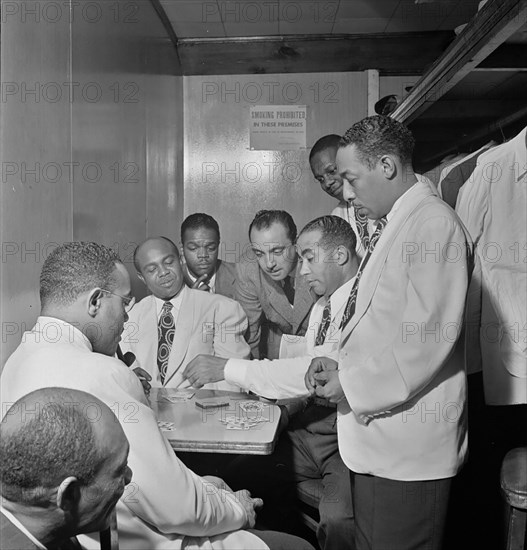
(166, 426)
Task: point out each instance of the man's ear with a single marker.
(388, 166)
(68, 494)
(342, 255)
(94, 301)
(140, 277)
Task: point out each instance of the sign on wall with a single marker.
(277, 127)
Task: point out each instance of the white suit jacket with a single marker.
(166, 506)
(207, 323)
(284, 378)
(492, 204)
(402, 373)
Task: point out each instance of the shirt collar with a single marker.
(21, 528)
(175, 301)
(398, 202)
(56, 330)
(341, 294)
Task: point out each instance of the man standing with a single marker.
(58, 449)
(86, 297)
(399, 381)
(200, 239)
(308, 450)
(175, 323)
(323, 163)
(275, 299)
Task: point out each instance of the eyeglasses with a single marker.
(128, 301)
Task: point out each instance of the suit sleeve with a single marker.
(164, 492)
(246, 294)
(398, 365)
(276, 379)
(231, 325)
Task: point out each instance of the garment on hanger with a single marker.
(492, 205)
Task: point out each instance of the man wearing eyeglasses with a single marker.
(85, 292)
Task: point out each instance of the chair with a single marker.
(309, 493)
(514, 489)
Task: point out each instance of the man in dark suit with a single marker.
(63, 466)
(275, 298)
(200, 240)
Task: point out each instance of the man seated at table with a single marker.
(53, 459)
(275, 299)
(309, 449)
(85, 293)
(175, 323)
(200, 241)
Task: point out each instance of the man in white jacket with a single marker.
(308, 450)
(85, 296)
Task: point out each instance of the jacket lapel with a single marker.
(372, 273)
(303, 302)
(224, 280)
(182, 335)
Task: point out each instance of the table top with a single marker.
(243, 426)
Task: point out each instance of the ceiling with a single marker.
(472, 62)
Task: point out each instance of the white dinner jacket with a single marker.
(284, 378)
(207, 323)
(401, 364)
(166, 506)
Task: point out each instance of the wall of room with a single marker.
(227, 180)
(91, 138)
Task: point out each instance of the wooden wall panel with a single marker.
(227, 180)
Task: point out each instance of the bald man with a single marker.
(175, 323)
(59, 448)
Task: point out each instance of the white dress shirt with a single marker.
(284, 378)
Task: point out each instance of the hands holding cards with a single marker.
(322, 379)
(204, 369)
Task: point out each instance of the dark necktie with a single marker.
(361, 221)
(352, 300)
(165, 335)
(289, 290)
(324, 325)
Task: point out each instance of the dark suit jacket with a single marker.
(268, 310)
(11, 538)
(225, 278)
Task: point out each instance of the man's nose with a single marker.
(202, 253)
(347, 192)
(271, 261)
(128, 475)
(304, 268)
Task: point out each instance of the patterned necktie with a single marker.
(350, 305)
(324, 325)
(289, 290)
(361, 221)
(165, 336)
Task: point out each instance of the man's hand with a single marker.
(318, 364)
(328, 386)
(250, 506)
(201, 280)
(144, 378)
(204, 369)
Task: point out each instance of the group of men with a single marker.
(349, 314)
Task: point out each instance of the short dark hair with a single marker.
(331, 141)
(378, 135)
(56, 441)
(199, 220)
(169, 241)
(265, 218)
(74, 268)
(334, 232)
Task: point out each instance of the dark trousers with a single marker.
(399, 515)
(307, 450)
